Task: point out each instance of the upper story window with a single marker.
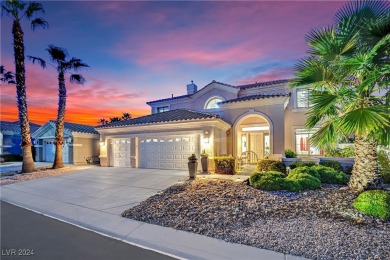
(213, 103)
(303, 95)
(162, 109)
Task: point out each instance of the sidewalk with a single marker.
(157, 238)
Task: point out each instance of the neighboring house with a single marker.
(80, 143)
(10, 138)
(265, 118)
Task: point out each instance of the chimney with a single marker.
(192, 88)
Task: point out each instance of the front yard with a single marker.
(320, 224)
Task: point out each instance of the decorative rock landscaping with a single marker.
(318, 224)
(41, 173)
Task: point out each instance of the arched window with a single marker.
(213, 103)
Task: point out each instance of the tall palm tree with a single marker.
(63, 65)
(349, 72)
(7, 76)
(18, 10)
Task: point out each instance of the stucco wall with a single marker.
(83, 148)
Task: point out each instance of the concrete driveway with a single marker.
(106, 189)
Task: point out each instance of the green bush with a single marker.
(332, 164)
(271, 165)
(340, 152)
(348, 170)
(225, 165)
(290, 154)
(272, 180)
(305, 180)
(330, 175)
(12, 157)
(375, 203)
(294, 165)
(306, 170)
(384, 166)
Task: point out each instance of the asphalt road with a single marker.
(28, 235)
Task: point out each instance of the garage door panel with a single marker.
(167, 153)
(121, 152)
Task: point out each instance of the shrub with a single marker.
(375, 203)
(12, 157)
(271, 165)
(330, 175)
(294, 165)
(272, 180)
(225, 165)
(332, 164)
(290, 154)
(340, 153)
(348, 170)
(306, 170)
(384, 166)
(305, 180)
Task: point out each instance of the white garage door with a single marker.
(50, 151)
(120, 152)
(167, 152)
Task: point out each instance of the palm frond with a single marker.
(34, 8)
(326, 135)
(57, 54)
(365, 120)
(77, 78)
(76, 64)
(7, 76)
(40, 61)
(39, 22)
(362, 9)
(323, 103)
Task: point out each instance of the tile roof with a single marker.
(188, 95)
(78, 127)
(15, 126)
(169, 116)
(257, 96)
(263, 84)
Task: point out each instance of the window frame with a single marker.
(164, 109)
(212, 99)
(297, 102)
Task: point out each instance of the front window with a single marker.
(303, 95)
(302, 142)
(162, 109)
(213, 103)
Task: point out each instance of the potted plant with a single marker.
(204, 159)
(290, 156)
(192, 166)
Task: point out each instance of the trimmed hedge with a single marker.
(271, 165)
(12, 157)
(384, 166)
(294, 165)
(332, 164)
(306, 178)
(330, 175)
(306, 170)
(290, 153)
(375, 203)
(225, 165)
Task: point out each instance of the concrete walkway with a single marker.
(94, 198)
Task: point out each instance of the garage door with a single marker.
(50, 152)
(167, 152)
(120, 152)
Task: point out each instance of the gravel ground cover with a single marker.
(41, 173)
(318, 224)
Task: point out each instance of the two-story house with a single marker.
(264, 118)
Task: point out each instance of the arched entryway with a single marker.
(253, 133)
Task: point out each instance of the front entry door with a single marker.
(256, 144)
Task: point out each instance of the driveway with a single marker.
(107, 189)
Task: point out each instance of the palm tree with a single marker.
(7, 76)
(126, 116)
(63, 65)
(103, 121)
(18, 10)
(115, 119)
(348, 71)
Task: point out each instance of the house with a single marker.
(10, 138)
(264, 118)
(80, 143)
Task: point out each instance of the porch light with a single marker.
(255, 128)
(102, 143)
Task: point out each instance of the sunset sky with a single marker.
(142, 51)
